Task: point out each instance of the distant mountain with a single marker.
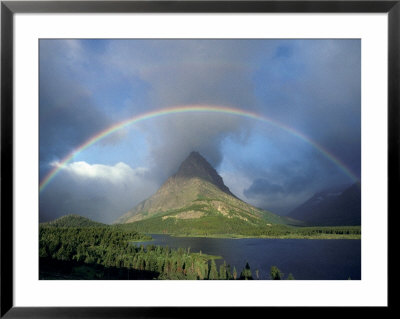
(333, 207)
(73, 221)
(194, 200)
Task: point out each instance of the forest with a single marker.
(108, 252)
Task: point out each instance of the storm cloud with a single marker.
(97, 191)
(67, 114)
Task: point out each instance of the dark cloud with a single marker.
(316, 89)
(99, 192)
(189, 73)
(180, 134)
(288, 184)
(261, 187)
(67, 114)
(184, 72)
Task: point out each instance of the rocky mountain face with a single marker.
(196, 166)
(335, 207)
(196, 191)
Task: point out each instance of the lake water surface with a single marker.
(307, 259)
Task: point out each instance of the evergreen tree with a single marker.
(246, 273)
(290, 277)
(223, 274)
(213, 273)
(228, 272)
(275, 273)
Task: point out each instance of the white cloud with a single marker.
(117, 173)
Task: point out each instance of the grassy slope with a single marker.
(73, 221)
(219, 226)
(195, 195)
(236, 220)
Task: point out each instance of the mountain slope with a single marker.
(331, 208)
(196, 198)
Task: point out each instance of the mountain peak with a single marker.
(196, 166)
(195, 154)
(193, 165)
(196, 158)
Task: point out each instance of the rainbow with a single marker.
(188, 109)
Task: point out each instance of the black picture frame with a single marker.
(9, 8)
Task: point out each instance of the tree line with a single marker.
(218, 225)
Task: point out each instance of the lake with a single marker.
(306, 259)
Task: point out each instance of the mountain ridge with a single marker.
(331, 208)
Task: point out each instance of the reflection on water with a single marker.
(306, 259)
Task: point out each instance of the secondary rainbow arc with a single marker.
(187, 109)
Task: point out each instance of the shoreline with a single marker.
(234, 236)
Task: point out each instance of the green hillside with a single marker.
(73, 221)
(218, 226)
(209, 216)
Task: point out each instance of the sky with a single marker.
(307, 91)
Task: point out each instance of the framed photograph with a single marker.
(164, 155)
